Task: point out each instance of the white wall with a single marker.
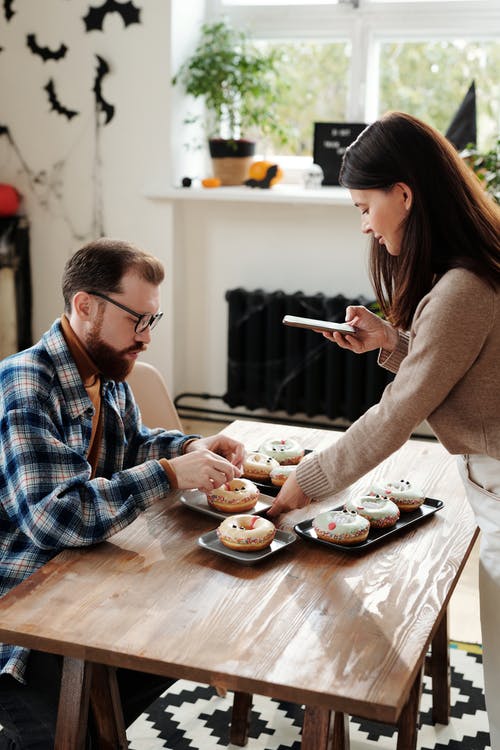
(222, 245)
(62, 170)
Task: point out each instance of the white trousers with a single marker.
(481, 477)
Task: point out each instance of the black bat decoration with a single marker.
(44, 52)
(265, 182)
(95, 17)
(56, 104)
(102, 104)
(7, 9)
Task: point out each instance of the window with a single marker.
(354, 59)
(317, 72)
(426, 78)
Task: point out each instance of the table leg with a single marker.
(107, 708)
(340, 738)
(440, 673)
(324, 730)
(73, 707)
(240, 718)
(83, 683)
(408, 721)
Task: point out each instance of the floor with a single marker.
(463, 611)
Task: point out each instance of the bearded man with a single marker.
(77, 464)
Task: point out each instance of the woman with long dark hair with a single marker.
(435, 268)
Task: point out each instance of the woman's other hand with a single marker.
(290, 497)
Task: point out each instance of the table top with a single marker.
(310, 624)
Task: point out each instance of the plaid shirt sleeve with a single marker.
(48, 501)
(48, 495)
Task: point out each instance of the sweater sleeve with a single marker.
(441, 351)
(392, 360)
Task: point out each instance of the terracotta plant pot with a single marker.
(231, 159)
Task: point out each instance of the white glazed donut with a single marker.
(281, 474)
(403, 493)
(341, 527)
(284, 451)
(246, 533)
(258, 466)
(234, 497)
(379, 511)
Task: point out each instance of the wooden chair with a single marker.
(158, 410)
(152, 396)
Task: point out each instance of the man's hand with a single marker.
(290, 497)
(208, 463)
(225, 446)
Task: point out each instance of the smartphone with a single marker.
(318, 325)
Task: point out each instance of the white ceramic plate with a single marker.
(197, 500)
(211, 542)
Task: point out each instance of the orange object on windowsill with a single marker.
(264, 174)
(211, 182)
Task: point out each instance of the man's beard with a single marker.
(111, 363)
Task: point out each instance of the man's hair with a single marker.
(100, 265)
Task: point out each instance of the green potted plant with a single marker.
(239, 85)
(486, 166)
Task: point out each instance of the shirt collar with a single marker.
(86, 366)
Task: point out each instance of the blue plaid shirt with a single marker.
(48, 501)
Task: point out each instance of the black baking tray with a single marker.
(268, 488)
(376, 536)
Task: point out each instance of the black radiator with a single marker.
(279, 368)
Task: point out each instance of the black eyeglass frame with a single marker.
(152, 319)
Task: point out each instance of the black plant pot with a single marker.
(231, 159)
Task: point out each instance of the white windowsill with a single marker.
(294, 194)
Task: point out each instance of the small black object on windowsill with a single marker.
(265, 183)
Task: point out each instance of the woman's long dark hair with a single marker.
(452, 222)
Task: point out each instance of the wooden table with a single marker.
(343, 633)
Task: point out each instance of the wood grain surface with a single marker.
(311, 625)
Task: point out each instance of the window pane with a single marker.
(317, 74)
(430, 79)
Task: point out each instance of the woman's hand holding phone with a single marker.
(372, 332)
(361, 332)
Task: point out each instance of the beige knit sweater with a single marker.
(447, 371)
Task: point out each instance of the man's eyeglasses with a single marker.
(144, 320)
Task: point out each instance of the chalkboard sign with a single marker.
(330, 142)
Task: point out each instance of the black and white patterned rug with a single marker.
(193, 717)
